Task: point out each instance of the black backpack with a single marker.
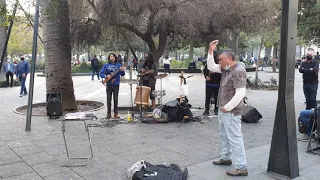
(160, 172)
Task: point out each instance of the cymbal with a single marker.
(160, 76)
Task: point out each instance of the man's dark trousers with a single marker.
(9, 74)
(209, 92)
(310, 92)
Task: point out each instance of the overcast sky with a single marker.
(28, 6)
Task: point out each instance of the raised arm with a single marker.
(211, 64)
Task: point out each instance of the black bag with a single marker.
(176, 111)
(250, 115)
(160, 172)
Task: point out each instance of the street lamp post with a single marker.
(34, 58)
(283, 157)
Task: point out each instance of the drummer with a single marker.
(147, 76)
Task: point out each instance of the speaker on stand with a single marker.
(54, 105)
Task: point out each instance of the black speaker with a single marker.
(250, 114)
(54, 105)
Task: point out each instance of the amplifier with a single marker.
(54, 105)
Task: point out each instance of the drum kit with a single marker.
(143, 94)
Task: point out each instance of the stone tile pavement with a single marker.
(35, 154)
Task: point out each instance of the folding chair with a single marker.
(77, 117)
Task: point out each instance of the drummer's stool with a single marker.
(76, 117)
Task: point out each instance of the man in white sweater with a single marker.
(230, 103)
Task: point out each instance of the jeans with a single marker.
(112, 90)
(135, 66)
(166, 68)
(306, 120)
(232, 139)
(23, 84)
(209, 92)
(95, 71)
(310, 92)
(9, 74)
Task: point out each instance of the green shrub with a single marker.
(183, 64)
(258, 84)
(3, 83)
(40, 65)
(85, 67)
(81, 68)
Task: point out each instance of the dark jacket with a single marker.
(95, 63)
(310, 71)
(215, 77)
(149, 80)
(22, 68)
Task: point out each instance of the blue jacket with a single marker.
(22, 68)
(110, 68)
(8, 66)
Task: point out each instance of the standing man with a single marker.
(21, 73)
(166, 65)
(112, 70)
(265, 62)
(147, 75)
(212, 87)
(95, 66)
(309, 69)
(8, 69)
(230, 101)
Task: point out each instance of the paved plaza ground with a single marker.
(35, 154)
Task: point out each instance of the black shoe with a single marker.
(222, 162)
(216, 110)
(25, 93)
(20, 95)
(206, 112)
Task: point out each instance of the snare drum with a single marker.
(158, 93)
(145, 92)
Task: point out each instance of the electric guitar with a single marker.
(110, 76)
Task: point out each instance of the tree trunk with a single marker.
(89, 53)
(233, 40)
(206, 49)
(176, 52)
(56, 27)
(274, 57)
(258, 61)
(2, 42)
(191, 51)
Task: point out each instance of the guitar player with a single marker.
(112, 72)
(147, 76)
